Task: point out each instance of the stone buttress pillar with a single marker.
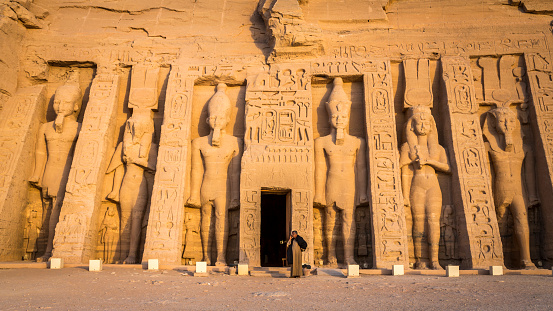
(165, 223)
(76, 232)
(480, 238)
(388, 213)
(20, 120)
(540, 75)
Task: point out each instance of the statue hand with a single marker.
(534, 201)
(113, 196)
(234, 204)
(363, 200)
(318, 201)
(193, 202)
(35, 180)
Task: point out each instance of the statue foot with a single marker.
(332, 261)
(44, 257)
(350, 261)
(420, 265)
(130, 260)
(436, 266)
(220, 263)
(528, 265)
(207, 261)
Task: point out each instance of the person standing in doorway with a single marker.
(295, 246)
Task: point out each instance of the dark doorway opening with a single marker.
(275, 217)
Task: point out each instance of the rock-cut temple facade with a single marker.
(417, 133)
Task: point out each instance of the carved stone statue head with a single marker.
(504, 122)
(140, 123)
(338, 108)
(67, 101)
(421, 123)
(219, 109)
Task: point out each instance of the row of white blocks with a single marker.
(201, 268)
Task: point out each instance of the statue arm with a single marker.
(443, 163)
(320, 174)
(406, 174)
(116, 165)
(41, 156)
(196, 175)
(530, 176)
(361, 175)
(235, 171)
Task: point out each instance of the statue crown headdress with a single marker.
(219, 103)
(338, 100)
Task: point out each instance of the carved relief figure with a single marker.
(134, 164)
(54, 154)
(513, 165)
(33, 225)
(420, 157)
(213, 157)
(448, 231)
(340, 174)
(109, 233)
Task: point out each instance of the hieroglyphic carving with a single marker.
(470, 174)
(19, 122)
(278, 141)
(388, 215)
(540, 76)
(76, 233)
(164, 235)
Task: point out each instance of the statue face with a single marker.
(340, 118)
(505, 123)
(422, 125)
(217, 121)
(65, 103)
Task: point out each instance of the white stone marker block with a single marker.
(95, 265)
(153, 264)
(452, 271)
(496, 270)
(353, 271)
(201, 267)
(398, 270)
(243, 269)
(56, 263)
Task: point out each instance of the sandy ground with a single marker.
(124, 288)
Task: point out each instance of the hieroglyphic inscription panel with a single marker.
(19, 122)
(76, 231)
(278, 152)
(540, 75)
(388, 215)
(471, 179)
(165, 224)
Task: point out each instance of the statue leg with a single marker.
(52, 223)
(418, 200)
(433, 211)
(348, 234)
(330, 223)
(204, 230)
(221, 230)
(46, 209)
(137, 214)
(130, 189)
(522, 231)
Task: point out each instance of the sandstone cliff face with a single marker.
(148, 71)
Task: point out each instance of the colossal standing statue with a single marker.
(420, 156)
(54, 154)
(213, 157)
(340, 174)
(134, 164)
(512, 162)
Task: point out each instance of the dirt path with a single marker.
(124, 288)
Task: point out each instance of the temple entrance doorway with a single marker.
(275, 226)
